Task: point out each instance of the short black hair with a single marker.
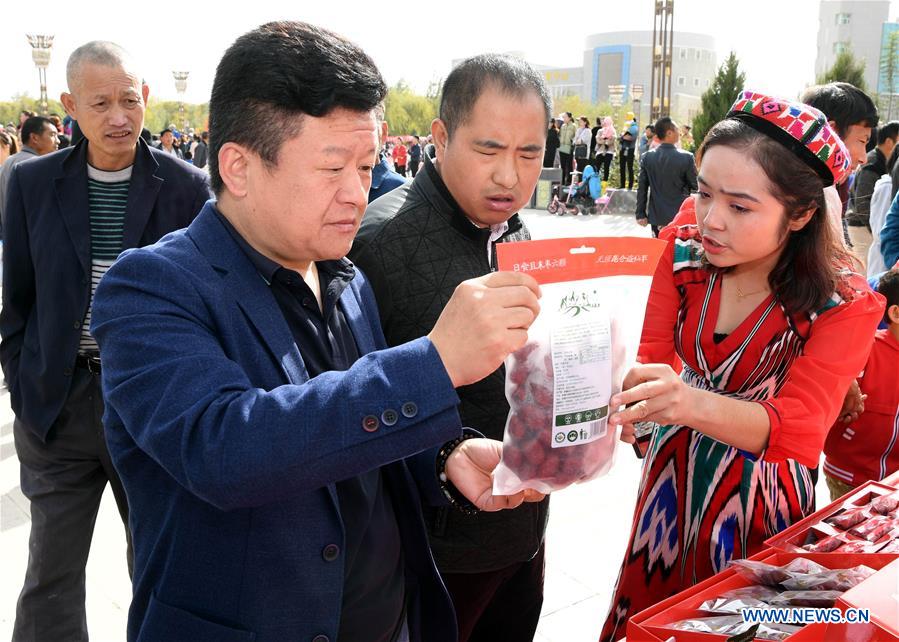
(888, 286)
(166, 131)
(891, 161)
(473, 76)
(846, 105)
(275, 74)
(890, 131)
(34, 125)
(663, 126)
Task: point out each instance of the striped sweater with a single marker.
(108, 198)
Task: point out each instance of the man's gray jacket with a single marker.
(669, 174)
(415, 246)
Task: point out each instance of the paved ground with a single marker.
(587, 533)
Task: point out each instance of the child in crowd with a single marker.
(868, 448)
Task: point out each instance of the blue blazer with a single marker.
(229, 452)
(47, 263)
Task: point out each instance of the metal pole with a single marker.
(40, 54)
(652, 81)
(670, 53)
(181, 88)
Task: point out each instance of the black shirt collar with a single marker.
(460, 220)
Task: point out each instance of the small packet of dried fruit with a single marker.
(826, 545)
(580, 346)
(850, 518)
(812, 599)
(873, 529)
(771, 575)
(838, 579)
(885, 504)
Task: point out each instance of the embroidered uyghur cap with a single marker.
(799, 127)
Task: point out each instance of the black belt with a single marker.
(89, 363)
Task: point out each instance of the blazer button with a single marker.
(321, 638)
(409, 410)
(77, 324)
(370, 423)
(389, 417)
(67, 372)
(330, 552)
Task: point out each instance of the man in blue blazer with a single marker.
(68, 215)
(273, 450)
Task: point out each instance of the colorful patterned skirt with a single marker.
(702, 503)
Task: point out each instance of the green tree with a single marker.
(889, 70)
(718, 98)
(845, 69)
(409, 113)
(162, 113)
(10, 109)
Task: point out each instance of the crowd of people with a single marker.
(286, 357)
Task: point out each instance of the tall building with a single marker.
(624, 58)
(852, 25)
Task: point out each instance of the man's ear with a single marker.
(233, 165)
(145, 91)
(68, 102)
(893, 313)
(441, 137)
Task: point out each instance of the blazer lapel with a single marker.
(359, 326)
(254, 298)
(142, 193)
(72, 200)
(250, 291)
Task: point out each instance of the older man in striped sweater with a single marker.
(68, 216)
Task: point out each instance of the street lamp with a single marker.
(181, 87)
(636, 96)
(40, 54)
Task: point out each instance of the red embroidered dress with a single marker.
(702, 502)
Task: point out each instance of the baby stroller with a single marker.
(580, 197)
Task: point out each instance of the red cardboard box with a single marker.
(815, 528)
(880, 595)
(685, 605)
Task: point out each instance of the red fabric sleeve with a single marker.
(836, 351)
(686, 215)
(657, 342)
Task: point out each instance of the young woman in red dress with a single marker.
(759, 304)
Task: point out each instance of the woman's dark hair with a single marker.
(272, 76)
(585, 120)
(808, 269)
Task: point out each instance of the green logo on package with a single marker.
(577, 302)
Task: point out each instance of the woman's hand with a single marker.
(853, 404)
(627, 434)
(652, 392)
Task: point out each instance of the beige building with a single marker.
(852, 25)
